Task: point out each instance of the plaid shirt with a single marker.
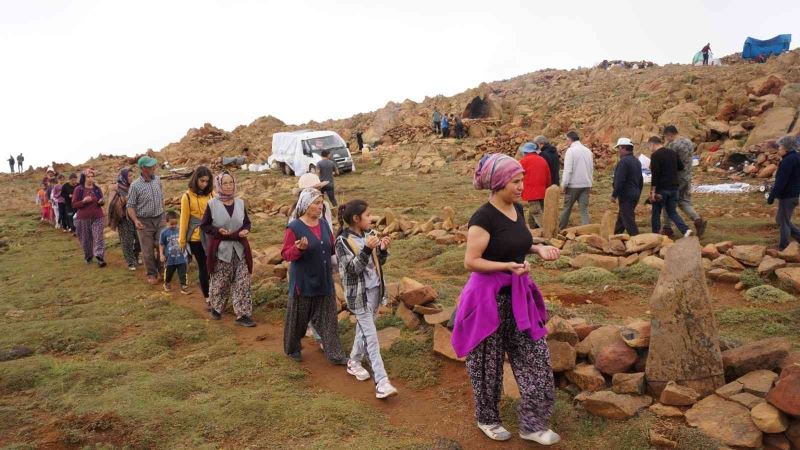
(352, 268)
(146, 197)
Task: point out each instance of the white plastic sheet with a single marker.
(725, 188)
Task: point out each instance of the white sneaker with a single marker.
(355, 369)
(546, 437)
(495, 432)
(385, 389)
(688, 233)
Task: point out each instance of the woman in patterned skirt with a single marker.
(87, 199)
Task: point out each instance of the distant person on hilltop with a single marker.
(576, 184)
(437, 121)
(11, 162)
(20, 160)
(550, 154)
(706, 51)
(536, 181)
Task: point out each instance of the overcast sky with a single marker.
(83, 77)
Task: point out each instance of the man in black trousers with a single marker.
(628, 183)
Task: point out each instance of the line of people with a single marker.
(671, 186)
(442, 122)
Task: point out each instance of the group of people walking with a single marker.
(671, 168)
(442, 123)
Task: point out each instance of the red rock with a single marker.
(726, 421)
(586, 377)
(584, 330)
(786, 394)
(615, 406)
(562, 356)
(764, 354)
(677, 395)
(616, 357)
(415, 293)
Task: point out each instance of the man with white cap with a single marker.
(628, 183)
(665, 164)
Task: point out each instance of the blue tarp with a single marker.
(775, 46)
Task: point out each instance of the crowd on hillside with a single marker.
(501, 311)
(442, 123)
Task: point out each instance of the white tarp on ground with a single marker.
(287, 147)
(726, 188)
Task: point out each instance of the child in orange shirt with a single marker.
(44, 203)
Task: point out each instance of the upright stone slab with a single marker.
(684, 343)
(552, 200)
(607, 224)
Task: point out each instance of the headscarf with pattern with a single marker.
(122, 182)
(495, 171)
(218, 183)
(307, 197)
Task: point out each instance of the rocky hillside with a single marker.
(731, 107)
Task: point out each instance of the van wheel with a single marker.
(287, 170)
(312, 169)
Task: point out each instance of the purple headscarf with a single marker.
(495, 171)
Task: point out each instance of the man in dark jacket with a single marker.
(628, 185)
(786, 189)
(664, 167)
(550, 154)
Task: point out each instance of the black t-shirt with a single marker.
(509, 241)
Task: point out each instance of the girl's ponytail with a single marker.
(340, 214)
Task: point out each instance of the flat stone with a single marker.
(710, 251)
(724, 275)
(725, 421)
(615, 406)
(665, 411)
(562, 356)
(636, 334)
(586, 377)
(441, 317)
(592, 260)
(430, 308)
(769, 419)
(409, 318)
(749, 255)
(724, 246)
(388, 336)
(764, 354)
(758, 382)
(790, 276)
(769, 265)
(786, 393)
(558, 329)
(413, 293)
(653, 261)
(442, 345)
(727, 262)
(628, 383)
(747, 399)
(791, 253)
(730, 389)
(644, 241)
(677, 395)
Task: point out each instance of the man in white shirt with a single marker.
(576, 181)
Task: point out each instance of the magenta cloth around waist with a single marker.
(477, 315)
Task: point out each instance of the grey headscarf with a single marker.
(307, 197)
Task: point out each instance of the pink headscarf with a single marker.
(495, 171)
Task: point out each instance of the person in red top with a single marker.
(536, 181)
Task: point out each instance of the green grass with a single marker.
(411, 359)
(748, 324)
(750, 278)
(589, 276)
(116, 362)
(641, 273)
(766, 293)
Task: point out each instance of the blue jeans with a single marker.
(366, 339)
(669, 200)
(783, 218)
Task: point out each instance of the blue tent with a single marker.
(775, 46)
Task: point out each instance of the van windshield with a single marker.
(318, 144)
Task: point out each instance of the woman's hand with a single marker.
(302, 244)
(548, 252)
(244, 233)
(386, 241)
(224, 232)
(519, 269)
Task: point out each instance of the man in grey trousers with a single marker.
(146, 209)
(576, 180)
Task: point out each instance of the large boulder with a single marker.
(769, 419)
(786, 393)
(644, 241)
(617, 357)
(773, 124)
(725, 421)
(684, 342)
(770, 84)
(686, 117)
(765, 354)
(597, 340)
(749, 255)
(615, 406)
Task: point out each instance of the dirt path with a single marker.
(441, 412)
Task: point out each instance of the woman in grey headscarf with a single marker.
(308, 244)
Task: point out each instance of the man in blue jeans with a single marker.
(664, 166)
(786, 189)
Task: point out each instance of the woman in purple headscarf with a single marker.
(502, 310)
(118, 218)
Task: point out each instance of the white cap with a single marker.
(624, 141)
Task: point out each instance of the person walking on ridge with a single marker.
(665, 164)
(11, 162)
(706, 51)
(20, 160)
(576, 184)
(628, 184)
(685, 150)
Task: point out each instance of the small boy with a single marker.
(173, 257)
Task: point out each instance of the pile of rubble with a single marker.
(403, 134)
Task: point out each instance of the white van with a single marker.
(297, 152)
